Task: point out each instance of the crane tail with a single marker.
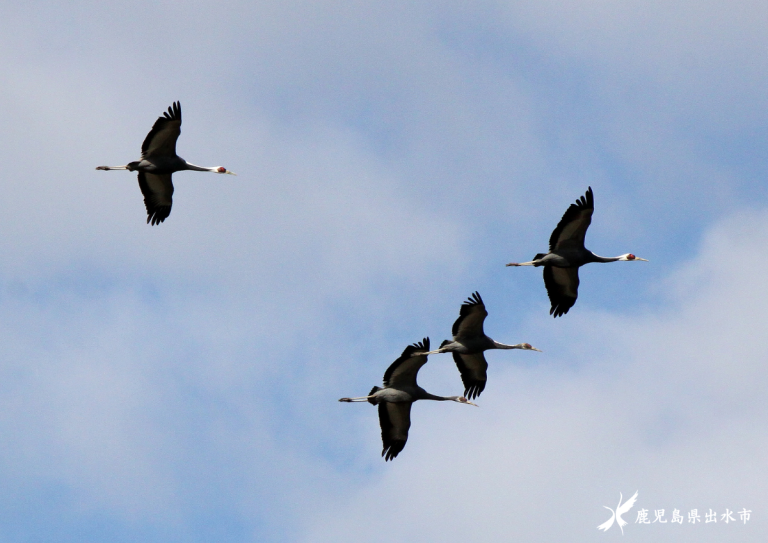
(373, 391)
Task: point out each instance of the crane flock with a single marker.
(561, 278)
(469, 342)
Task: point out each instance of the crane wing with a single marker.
(161, 140)
(572, 228)
(158, 192)
(562, 287)
(473, 369)
(404, 370)
(471, 318)
(395, 420)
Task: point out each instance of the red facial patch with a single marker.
(631, 257)
(527, 345)
(221, 169)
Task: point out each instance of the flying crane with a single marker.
(158, 162)
(397, 395)
(468, 344)
(567, 254)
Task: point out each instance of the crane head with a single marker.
(529, 347)
(629, 257)
(222, 169)
(462, 399)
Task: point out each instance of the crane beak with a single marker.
(537, 350)
(472, 403)
(638, 258)
(230, 173)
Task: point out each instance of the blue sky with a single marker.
(179, 382)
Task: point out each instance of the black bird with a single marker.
(469, 342)
(158, 162)
(567, 254)
(398, 394)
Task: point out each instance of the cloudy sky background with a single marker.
(179, 382)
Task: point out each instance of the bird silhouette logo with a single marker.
(616, 515)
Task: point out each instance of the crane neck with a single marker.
(597, 258)
(428, 396)
(199, 168)
(497, 345)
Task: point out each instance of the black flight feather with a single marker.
(392, 445)
(173, 115)
(474, 378)
(561, 299)
(581, 211)
(467, 308)
(407, 353)
(157, 199)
